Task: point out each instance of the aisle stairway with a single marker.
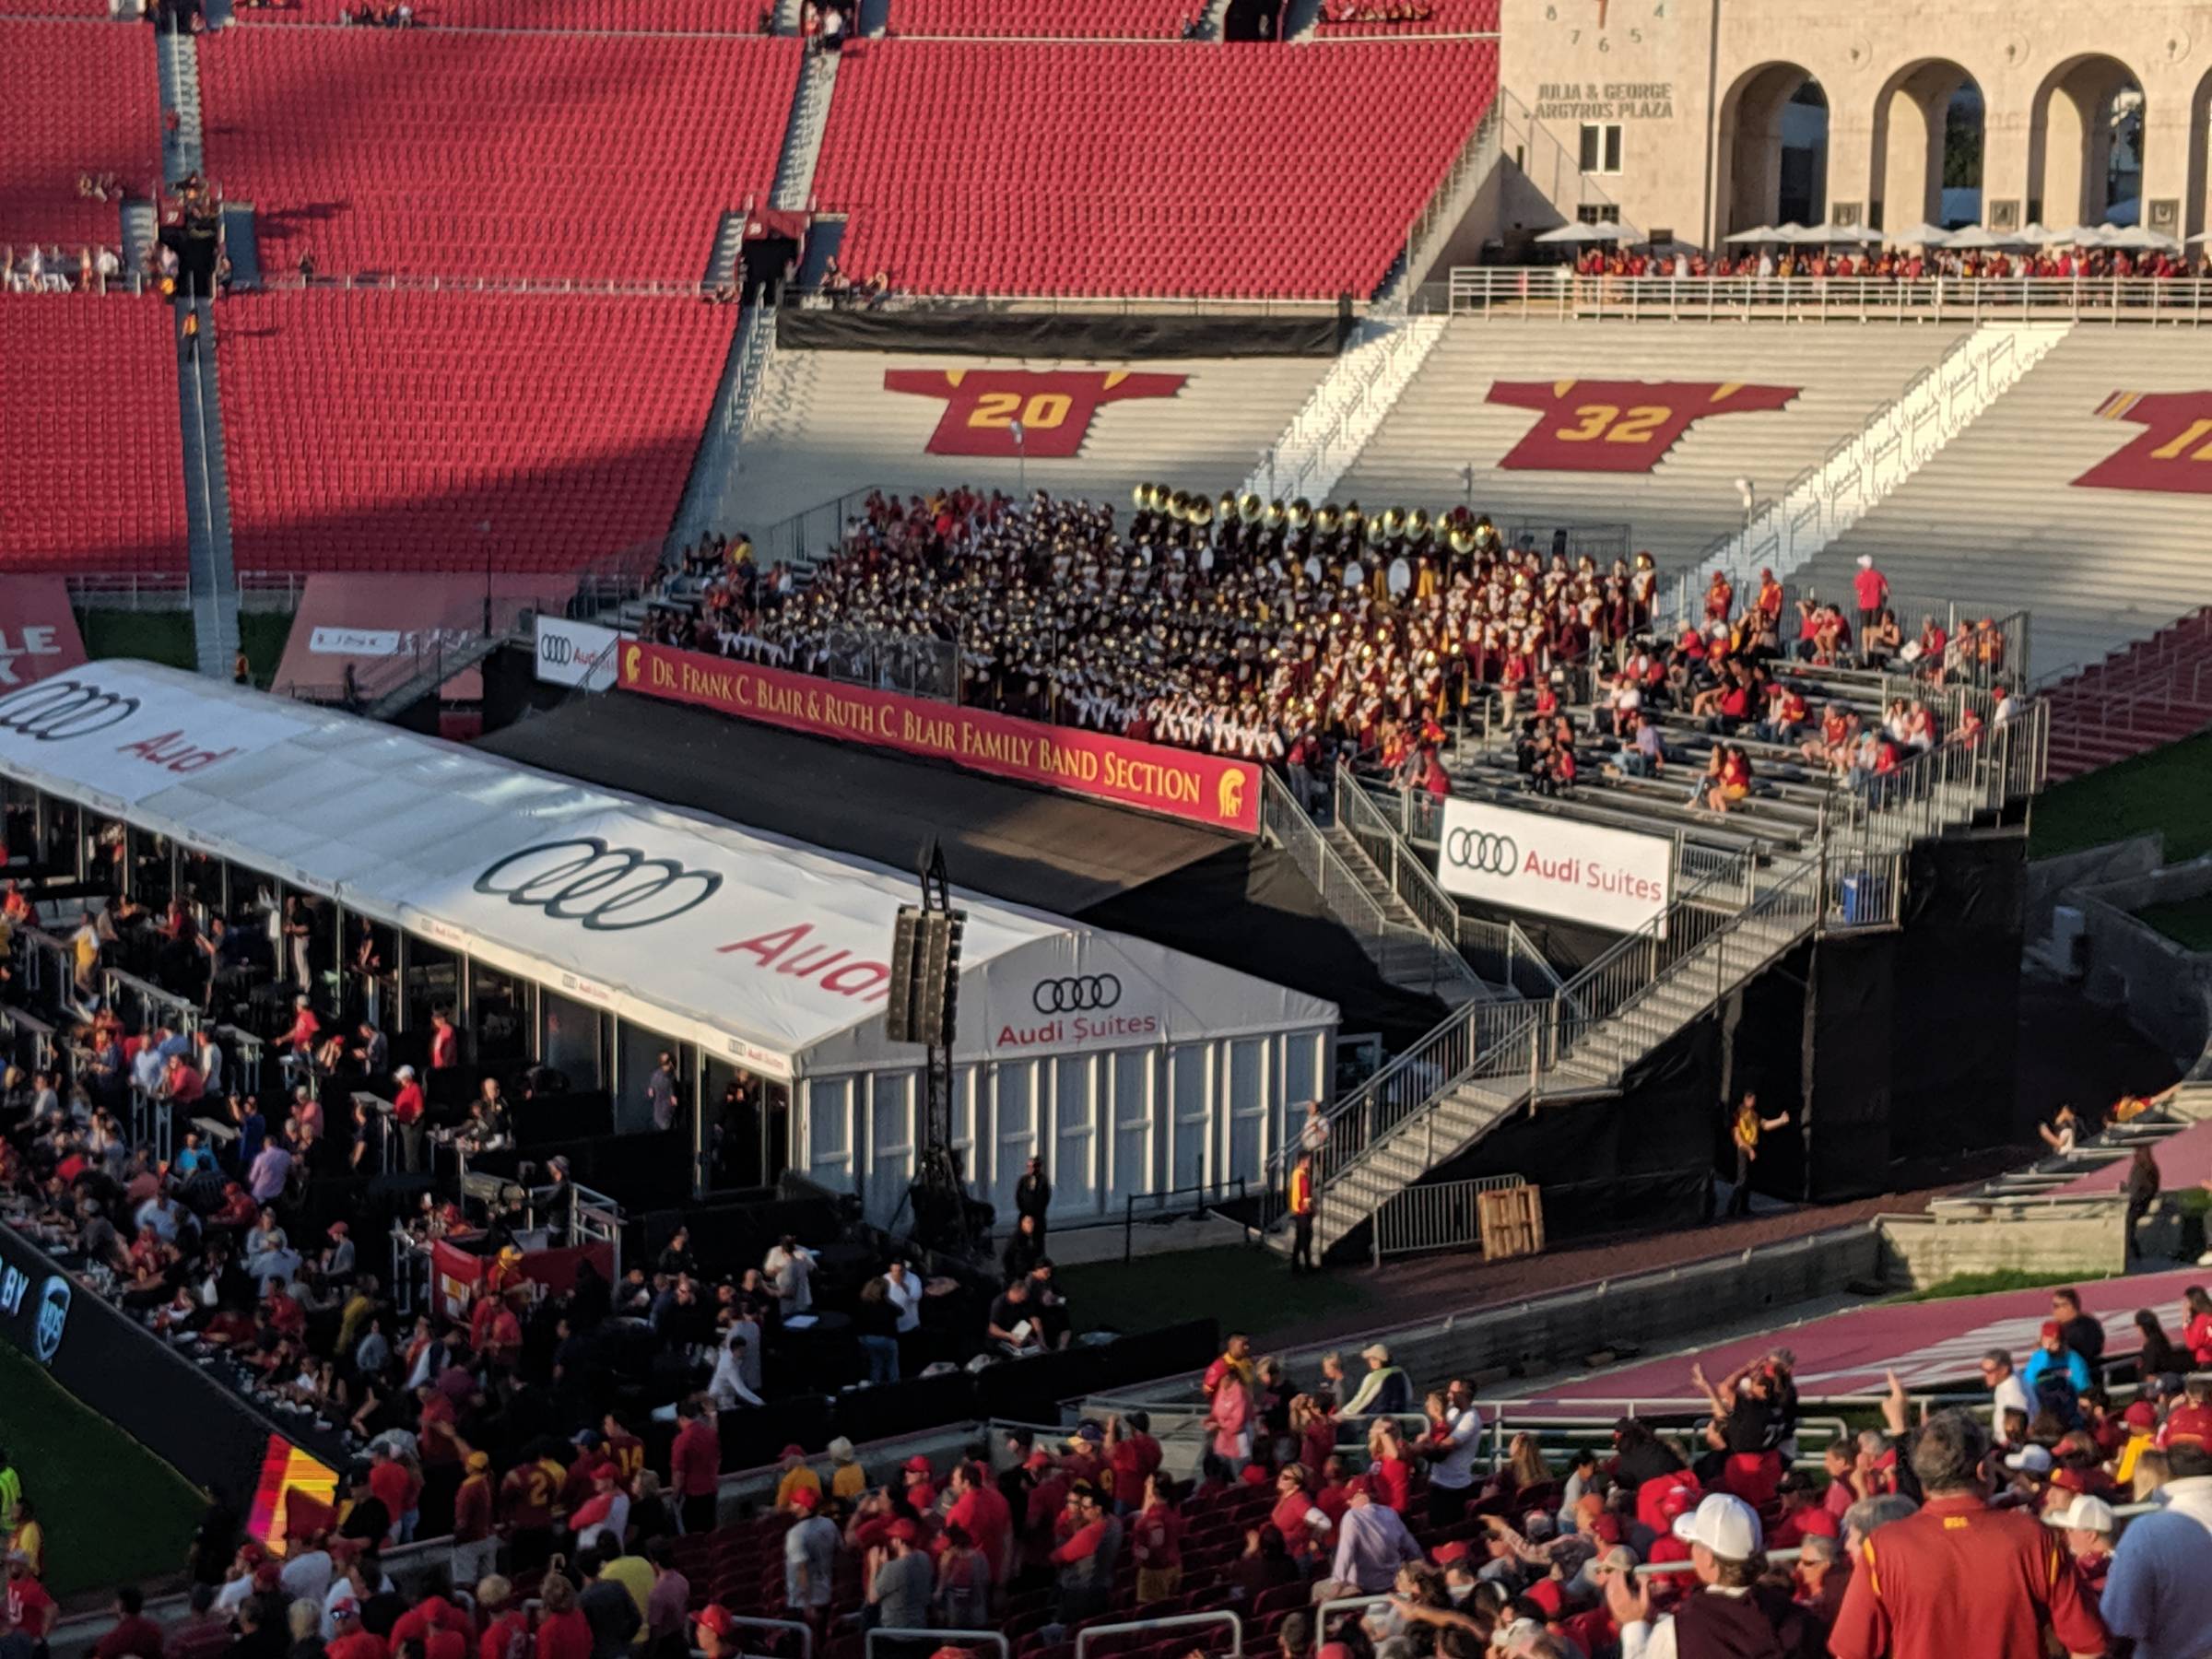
(1442, 426)
(1997, 522)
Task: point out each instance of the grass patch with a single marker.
(2187, 922)
(2163, 790)
(156, 636)
(113, 1512)
(2004, 1279)
(262, 635)
(1245, 1288)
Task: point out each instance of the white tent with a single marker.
(1831, 235)
(2143, 240)
(1602, 231)
(1922, 235)
(1758, 233)
(762, 951)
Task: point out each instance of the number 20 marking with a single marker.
(1607, 421)
(1043, 410)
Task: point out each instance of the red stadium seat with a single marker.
(81, 99)
(89, 425)
(1043, 19)
(1126, 168)
(465, 155)
(460, 431)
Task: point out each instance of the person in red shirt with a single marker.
(1304, 1525)
(445, 1043)
(391, 1484)
(1389, 1475)
(1156, 1542)
(407, 1110)
(981, 1510)
(1960, 1577)
(2192, 1419)
(508, 1635)
(135, 1636)
(526, 1502)
(1131, 1454)
(473, 1502)
(563, 1630)
(695, 1465)
(433, 1613)
(920, 1486)
(348, 1640)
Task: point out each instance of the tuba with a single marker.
(1327, 520)
(1301, 514)
(1393, 521)
(1378, 532)
(1276, 514)
(1179, 506)
(1419, 524)
(1201, 512)
(1462, 539)
(1250, 507)
(1142, 496)
(1226, 506)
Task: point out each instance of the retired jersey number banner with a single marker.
(1619, 426)
(1180, 783)
(1052, 407)
(1555, 866)
(2173, 451)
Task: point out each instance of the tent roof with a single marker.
(758, 946)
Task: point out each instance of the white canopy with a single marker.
(1827, 234)
(1600, 232)
(764, 951)
(1758, 233)
(1922, 235)
(1981, 236)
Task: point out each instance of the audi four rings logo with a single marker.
(54, 709)
(557, 650)
(608, 889)
(1075, 995)
(1479, 850)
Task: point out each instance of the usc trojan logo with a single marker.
(2173, 453)
(1619, 426)
(1055, 408)
(1231, 795)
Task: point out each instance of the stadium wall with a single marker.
(214, 1437)
(2085, 1237)
(995, 331)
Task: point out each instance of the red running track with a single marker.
(1927, 1344)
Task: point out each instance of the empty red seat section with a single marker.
(451, 431)
(1045, 19)
(611, 17)
(1241, 171)
(475, 154)
(94, 475)
(77, 98)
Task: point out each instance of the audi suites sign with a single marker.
(123, 743)
(1555, 866)
(575, 653)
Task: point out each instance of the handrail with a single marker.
(1181, 1621)
(1408, 876)
(936, 1638)
(1281, 814)
(1559, 291)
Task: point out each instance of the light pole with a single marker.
(1021, 459)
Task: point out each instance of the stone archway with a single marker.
(2085, 144)
(1773, 148)
(1928, 140)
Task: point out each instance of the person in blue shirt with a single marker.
(2053, 1354)
(252, 1129)
(191, 1157)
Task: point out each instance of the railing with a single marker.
(395, 282)
(1434, 1216)
(1602, 541)
(1161, 1205)
(1181, 1621)
(936, 1638)
(1342, 890)
(1541, 291)
(1548, 163)
(1862, 468)
(1443, 210)
(1326, 436)
(2182, 687)
(813, 532)
(1408, 876)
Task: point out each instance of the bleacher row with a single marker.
(741, 1566)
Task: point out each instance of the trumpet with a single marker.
(1301, 514)
(1250, 507)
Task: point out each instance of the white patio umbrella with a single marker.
(1789, 230)
(1922, 235)
(1830, 235)
(1601, 232)
(1758, 233)
(1981, 236)
(2143, 239)
(2040, 236)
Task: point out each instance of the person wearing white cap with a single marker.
(1732, 1611)
(2089, 1526)
(407, 1109)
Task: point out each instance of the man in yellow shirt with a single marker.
(847, 1478)
(797, 1477)
(1301, 1214)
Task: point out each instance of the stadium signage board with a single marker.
(575, 653)
(1555, 866)
(1180, 783)
(38, 631)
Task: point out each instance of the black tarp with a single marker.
(1851, 1016)
(1090, 335)
(1955, 1025)
(1029, 846)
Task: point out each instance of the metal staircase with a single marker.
(177, 60)
(706, 506)
(214, 581)
(1487, 1060)
(1404, 949)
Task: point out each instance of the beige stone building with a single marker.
(1703, 117)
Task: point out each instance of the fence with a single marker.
(1182, 1622)
(1557, 291)
(812, 533)
(1160, 1207)
(1438, 1217)
(1602, 541)
(914, 664)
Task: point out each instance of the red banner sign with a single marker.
(1180, 783)
(1619, 426)
(38, 630)
(2172, 453)
(1055, 408)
